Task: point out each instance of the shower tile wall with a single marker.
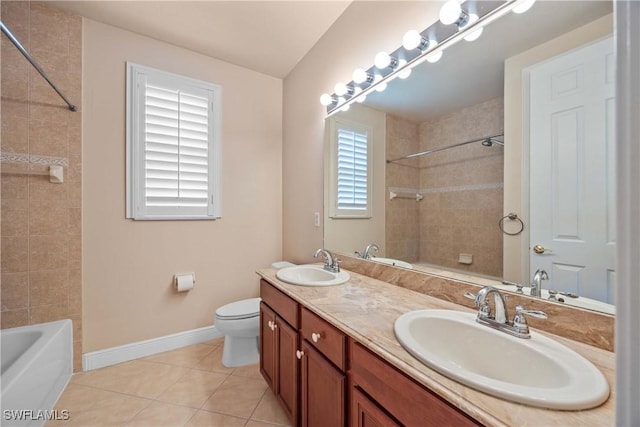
(402, 237)
(463, 190)
(41, 221)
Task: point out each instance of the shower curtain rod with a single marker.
(487, 141)
(33, 62)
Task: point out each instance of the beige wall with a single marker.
(41, 221)
(128, 266)
(363, 29)
(516, 248)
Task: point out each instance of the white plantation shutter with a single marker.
(173, 146)
(351, 182)
(352, 170)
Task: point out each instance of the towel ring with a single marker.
(513, 217)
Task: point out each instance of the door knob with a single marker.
(539, 249)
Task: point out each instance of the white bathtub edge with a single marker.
(123, 353)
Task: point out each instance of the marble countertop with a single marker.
(366, 309)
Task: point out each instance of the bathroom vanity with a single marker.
(331, 357)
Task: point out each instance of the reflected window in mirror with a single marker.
(350, 167)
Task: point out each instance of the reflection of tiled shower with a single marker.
(462, 189)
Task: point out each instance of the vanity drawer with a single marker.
(408, 402)
(286, 307)
(329, 340)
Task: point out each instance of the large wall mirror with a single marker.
(447, 211)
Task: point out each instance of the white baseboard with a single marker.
(124, 353)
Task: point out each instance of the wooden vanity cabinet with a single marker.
(323, 381)
(323, 378)
(279, 322)
(392, 398)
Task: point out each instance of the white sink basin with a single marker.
(311, 275)
(537, 371)
(391, 261)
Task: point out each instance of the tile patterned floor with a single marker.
(184, 387)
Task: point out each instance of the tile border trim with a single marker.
(33, 159)
(124, 353)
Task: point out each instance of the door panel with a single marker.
(572, 170)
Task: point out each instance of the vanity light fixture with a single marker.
(384, 60)
(406, 71)
(342, 89)
(326, 99)
(361, 76)
(418, 47)
(475, 34)
(414, 40)
(452, 13)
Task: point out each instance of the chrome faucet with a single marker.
(369, 248)
(331, 262)
(500, 320)
(536, 284)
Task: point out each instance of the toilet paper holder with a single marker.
(184, 282)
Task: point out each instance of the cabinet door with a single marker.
(322, 390)
(287, 368)
(268, 345)
(365, 413)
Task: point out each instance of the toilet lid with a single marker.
(239, 309)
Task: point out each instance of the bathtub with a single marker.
(37, 363)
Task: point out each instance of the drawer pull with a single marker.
(315, 336)
(299, 354)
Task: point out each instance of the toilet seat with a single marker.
(244, 309)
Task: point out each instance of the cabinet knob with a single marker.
(315, 336)
(270, 324)
(299, 354)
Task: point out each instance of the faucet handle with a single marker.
(520, 321)
(534, 313)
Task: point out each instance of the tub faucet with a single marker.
(536, 284)
(369, 248)
(331, 263)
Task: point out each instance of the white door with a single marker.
(572, 175)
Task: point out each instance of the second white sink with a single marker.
(311, 275)
(538, 371)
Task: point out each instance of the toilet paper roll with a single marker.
(184, 282)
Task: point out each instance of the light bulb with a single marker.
(341, 100)
(359, 76)
(404, 73)
(361, 98)
(340, 89)
(380, 86)
(411, 40)
(523, 5)
(382, 60)
(326, 99)
(476, 33)
(434, 56)
(450, 12)
(345, 108)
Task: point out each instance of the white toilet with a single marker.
(239, 322)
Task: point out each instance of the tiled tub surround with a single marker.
(366, 309)
(41, 221)
(586, 326)
(462, 189)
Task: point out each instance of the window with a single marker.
(350, 170)
(173, 146)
